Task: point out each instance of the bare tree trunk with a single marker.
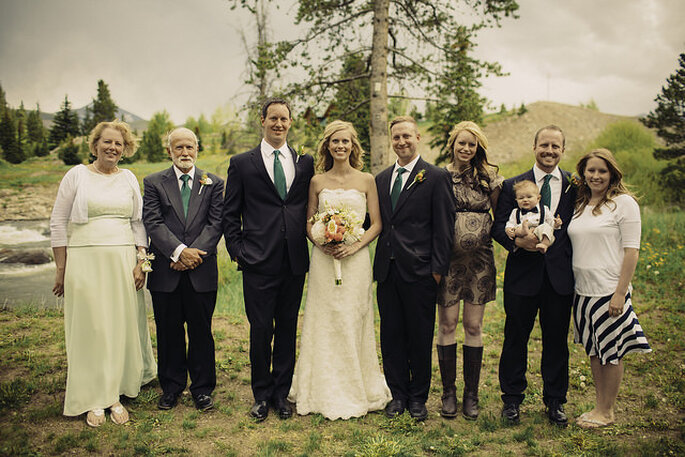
(378, 132)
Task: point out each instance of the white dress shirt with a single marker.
(286, 159)
(177, 252)
(554, 185)
(409, 167)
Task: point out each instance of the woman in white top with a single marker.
(605, 235)
(99, 244)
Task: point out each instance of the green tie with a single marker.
(279, 176)
(546, 192)
(185, 193)
(397, 187)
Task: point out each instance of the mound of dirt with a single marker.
(511, 137)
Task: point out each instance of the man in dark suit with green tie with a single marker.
(265, 214)
(182, 216)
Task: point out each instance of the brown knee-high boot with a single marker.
(447, 358)
(473, 360)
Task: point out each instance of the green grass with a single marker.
(650, 410)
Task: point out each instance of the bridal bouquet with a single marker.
(337, 226)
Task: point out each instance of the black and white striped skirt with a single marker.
(605, 337)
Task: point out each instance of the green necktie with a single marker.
(397, 187)
(185, 193)
(279, 176)
(546, 192)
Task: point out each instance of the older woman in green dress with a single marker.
(99, 244)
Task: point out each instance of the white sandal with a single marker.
(96, 417)
(118, 413)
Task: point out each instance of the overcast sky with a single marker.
(187, 56)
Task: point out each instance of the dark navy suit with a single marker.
(266, 235)
(415, 242)
(535, 282)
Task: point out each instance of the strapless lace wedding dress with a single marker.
(337, 373)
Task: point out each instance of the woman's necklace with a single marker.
(97, 170)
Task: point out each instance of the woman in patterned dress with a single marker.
(471, 277)
(605, 235)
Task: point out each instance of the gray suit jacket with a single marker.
(167, 228)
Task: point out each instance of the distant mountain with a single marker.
(136, 122)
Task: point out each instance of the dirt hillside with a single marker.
(511, 137)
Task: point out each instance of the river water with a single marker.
(26, 284)
(29, 284)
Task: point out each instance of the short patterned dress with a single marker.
(598, 242)
(471, 276)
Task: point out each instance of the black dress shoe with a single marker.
(510, 413)
(417, 410)
(259, 410)
(394, 408)
(283, 408)
(167, 401)
(203, 402)
(556, 414)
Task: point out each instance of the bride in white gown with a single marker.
(337, 373)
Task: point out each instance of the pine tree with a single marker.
(65, 123)
(69, 152)
(8, 138)
(3, 102)
(669, 120)
(22, 135)
(103, 108)
(42, 149)
(456, 90)
(34, 126)
(151, 146)
(403, 40)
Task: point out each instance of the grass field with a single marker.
(650, 412)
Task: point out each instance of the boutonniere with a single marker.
(300, 153)
(573, 181)
(146, 266)
(204, 181)
(419, 178)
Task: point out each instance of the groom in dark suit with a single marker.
(265, 214)
(412, 255)
(537, 282)
(182, 216)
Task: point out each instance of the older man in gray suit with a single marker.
(182, 208)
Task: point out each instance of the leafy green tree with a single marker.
(151, 146)
(669, 121)
(346, 102)
(64, 124)
(11, 149)
(402, 39)
(455, 90)
(69, 152)
(196, 130)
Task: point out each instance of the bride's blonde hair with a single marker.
(324, 160)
